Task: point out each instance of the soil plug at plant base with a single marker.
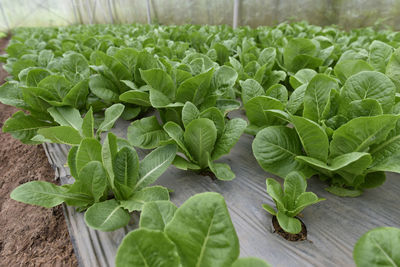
(290, 202)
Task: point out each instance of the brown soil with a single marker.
(288, 236)
(29, 235)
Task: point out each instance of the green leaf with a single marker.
(227, 105)
(288, 224)
(110, 116)
(126, 168)
(370, 84)
(103, 88)
(67, 116)
(343, 192)
(378, 247)
(294, 185)
(221, 170)
(301, 77)
(199, 138)
(222, 53)
(224, 77)
(77, 95)
(267, 57)
(11, 94)
(144, 247)
(146, 133)
(155, 164)
(39, 193)
(216, 116)
(386, 154)
(313, 138)
(189, 113)
(61, 135)
(75, 66)
(72, 161)
(296, 99)
(183, 164)
(354, 163)
(195, 89)
(299, 54)
(35, 76)
(269, 209)
(157, 214)
(274, 189)
(276, 148)
(106, 216)
(250, 262)
(256, 110)
(393, 68)
(302, 201)
(92, 180)
(176, 133)
(108, 152)
(159, 100)
(373, 179)
(379, 55)
(347, 68)
(159, 80)
(89, 150)
(232, 132)
(250, 88)
(88, 124)
(203, 232)
(57, 85)
(136, 97)
(278, 91)
(317, 95)
(147, 194)
(20, 122)
(360, 133)
(363, 108)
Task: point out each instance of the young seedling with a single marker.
(290, 201)
(205, 138)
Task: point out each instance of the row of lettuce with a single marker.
(319, 101)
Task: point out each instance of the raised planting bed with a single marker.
(333, 225)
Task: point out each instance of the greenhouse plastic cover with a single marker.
(350, 14)
(333, 225)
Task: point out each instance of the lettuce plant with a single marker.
(184, 236)
(290, 201)
(378, 247)
(349, 137)
(99, 170)
(206, 137)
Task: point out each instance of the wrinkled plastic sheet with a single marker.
(333, 225)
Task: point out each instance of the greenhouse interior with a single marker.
(200, 133)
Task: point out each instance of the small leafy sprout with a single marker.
(290, 201)
(205, 138)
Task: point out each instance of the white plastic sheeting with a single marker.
(347, 13)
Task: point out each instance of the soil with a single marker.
(288, 236)
(29, 235)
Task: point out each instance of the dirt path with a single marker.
(29, 235)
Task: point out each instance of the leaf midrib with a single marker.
(203, 247)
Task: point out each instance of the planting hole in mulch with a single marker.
(288, 236)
